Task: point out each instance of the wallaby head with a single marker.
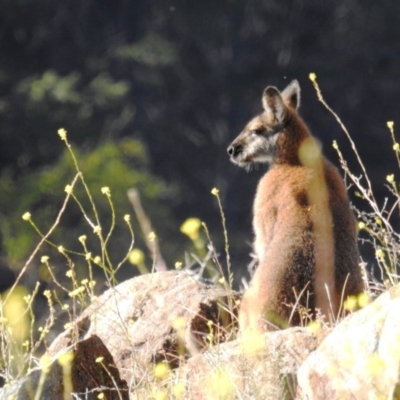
(265, 138)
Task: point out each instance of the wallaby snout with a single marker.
(234, 149)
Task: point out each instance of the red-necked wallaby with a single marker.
(305, 231)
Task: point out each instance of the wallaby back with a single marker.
(305, 231)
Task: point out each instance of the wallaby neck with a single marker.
(290, 140)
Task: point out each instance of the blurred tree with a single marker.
(183, 77)
(120, 166)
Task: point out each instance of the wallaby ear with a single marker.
(291, 94)
(273, 103)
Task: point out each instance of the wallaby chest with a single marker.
(280, 205)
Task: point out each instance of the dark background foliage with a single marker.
(181, 78)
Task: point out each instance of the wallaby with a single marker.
(305, 232)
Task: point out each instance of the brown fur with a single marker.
(305, 232)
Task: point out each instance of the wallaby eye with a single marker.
(258, 131)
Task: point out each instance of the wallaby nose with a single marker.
(233, 150)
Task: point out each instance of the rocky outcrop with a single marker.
(360, 358)
(86, 369)
(157, 317)
(167, 335)
(261, 367)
